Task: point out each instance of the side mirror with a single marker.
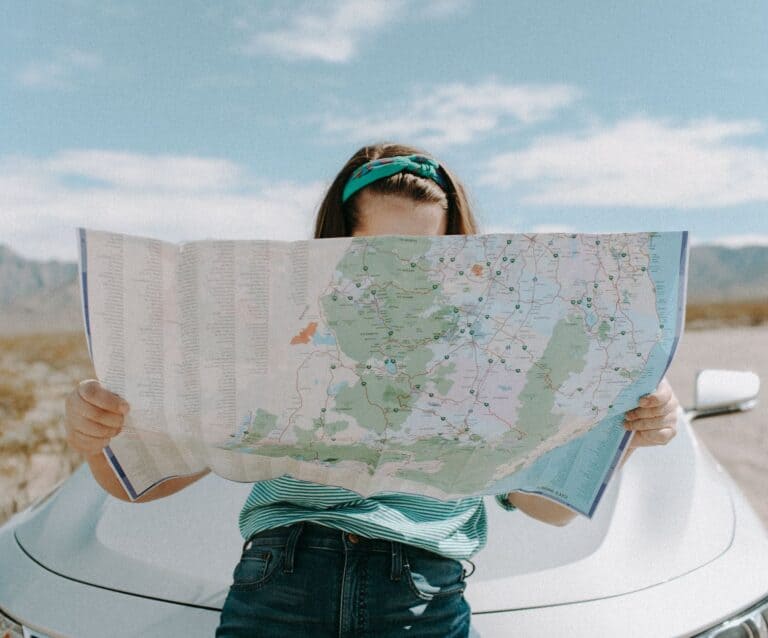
(724, 391)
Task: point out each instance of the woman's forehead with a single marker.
(368, 201)
(387, 214)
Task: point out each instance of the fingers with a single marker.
(657, 411)
(652, 423)
(661, 396)
(646, 413)
(653, 437)
(96, 428)
(655, 421)
(92, 413)
(86, 444)
(94, 393)
(86, 436)
(93, 416)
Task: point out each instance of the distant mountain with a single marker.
(37, 296)
(56, 310)
(44, 296)
(716, 273)
(20, 276)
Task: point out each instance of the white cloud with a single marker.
(175, 198)
(641, 162)
(329, 32)
(60, 72)
(453, 114)
(165, 172)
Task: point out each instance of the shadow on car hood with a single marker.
(181, 548)
(666, 513)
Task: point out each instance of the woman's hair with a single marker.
(337, 219)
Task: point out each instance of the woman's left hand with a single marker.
(653, 421)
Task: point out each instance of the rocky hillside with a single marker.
(717, 274)
(37, 296)
(20, 277)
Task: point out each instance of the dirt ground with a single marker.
(36, 372)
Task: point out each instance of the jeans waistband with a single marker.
(321, 536)
(310, 535)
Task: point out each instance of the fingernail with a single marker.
(124, 407)
(644, 401)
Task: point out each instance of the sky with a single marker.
(188, 120)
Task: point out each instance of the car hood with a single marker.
(666, 513)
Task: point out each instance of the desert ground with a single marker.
(37, 371)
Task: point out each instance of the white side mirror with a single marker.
(722, 391)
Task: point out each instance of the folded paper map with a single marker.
(447, 366)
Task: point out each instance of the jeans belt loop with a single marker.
(397, 560)
(290, 546)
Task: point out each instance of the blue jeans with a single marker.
(306, 579)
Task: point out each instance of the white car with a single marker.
(673, 550)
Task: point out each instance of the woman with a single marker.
(319, 560)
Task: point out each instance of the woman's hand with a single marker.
(653, 421)
(93, 416)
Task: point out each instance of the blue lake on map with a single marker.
(336, 388)
(326, 339)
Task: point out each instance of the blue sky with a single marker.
(187, 120)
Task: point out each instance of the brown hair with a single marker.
(337, 219)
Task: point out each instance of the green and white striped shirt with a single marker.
(457, 529)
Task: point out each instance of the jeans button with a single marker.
(353, 538)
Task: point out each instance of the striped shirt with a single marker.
(456, 529)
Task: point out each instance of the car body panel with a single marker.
(678, 608)
(671, 514)
(666, 513)
(62, 608)
(153, 548)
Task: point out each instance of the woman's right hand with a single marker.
(93, 416)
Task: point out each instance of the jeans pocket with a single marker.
(430, 575)
(256, 567)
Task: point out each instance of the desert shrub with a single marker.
(17, 397)
(59, 350)
(726, 313)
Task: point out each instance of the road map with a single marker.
(446, 366)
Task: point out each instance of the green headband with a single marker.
(386, 166)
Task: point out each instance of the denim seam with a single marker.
(266, 577)
(341, 597)
(290, 547)
(362, 612)
(397, 561)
